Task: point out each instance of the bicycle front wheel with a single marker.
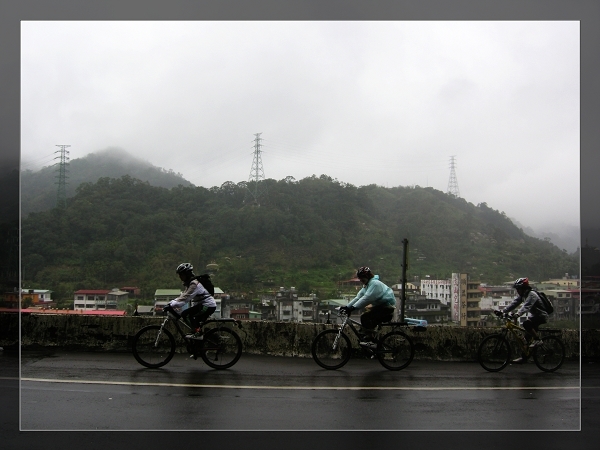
(395, 350)
(494, 353)
(221, 348)
(550, 355)
(331, 349)
(153, 346)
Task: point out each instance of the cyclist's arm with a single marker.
(516, 302)
(372, 294)
(531, 299)
(185, 296)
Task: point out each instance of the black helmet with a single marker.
(184, 267)
(364, 272)
(521, 283)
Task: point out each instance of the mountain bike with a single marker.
(220, 347)
(494, 352)
(332, 349)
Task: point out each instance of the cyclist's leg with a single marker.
(186, 315)
(373, 317)
(202, 313)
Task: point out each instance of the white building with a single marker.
(437, 289)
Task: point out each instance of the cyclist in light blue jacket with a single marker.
(378, 300)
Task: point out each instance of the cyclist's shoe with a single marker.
(368, 344)
(520, 360)
(536, 343)
(198, 335)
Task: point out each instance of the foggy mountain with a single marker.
(39, 189)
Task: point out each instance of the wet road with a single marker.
(104, 391)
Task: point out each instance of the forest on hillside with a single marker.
(309, 233)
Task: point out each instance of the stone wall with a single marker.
(103, 333)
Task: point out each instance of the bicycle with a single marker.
(494, 352)
(332, 349)
(220, 348)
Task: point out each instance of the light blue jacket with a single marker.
(374, 293)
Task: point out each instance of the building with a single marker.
(133, 291)
(419, 306)
(29, 297)
(465, 300)
(99, 299)
(462, 294)
(291, 308)
(162, 297)
(437, 289)
(93, 300)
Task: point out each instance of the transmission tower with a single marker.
(452, 183)
(256, 173)
(62, 169)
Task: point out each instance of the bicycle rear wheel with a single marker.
(330, 349)
(221, 348)
(494, 353)
(395, 350)
(550, 355)
(153, 346)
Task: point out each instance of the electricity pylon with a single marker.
(452, 183)
(256, 173)
(62, 169)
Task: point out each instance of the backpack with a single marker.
(205, 281)
(547, 304)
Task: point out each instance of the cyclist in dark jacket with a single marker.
(379, 303)
(202, 304)
(531, 304)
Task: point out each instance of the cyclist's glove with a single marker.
(347, 309)
(499, 313)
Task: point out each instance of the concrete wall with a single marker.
(101, 333)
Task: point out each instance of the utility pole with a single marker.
(404, 267)
(256, 173)
(452, 183)
(61, 197)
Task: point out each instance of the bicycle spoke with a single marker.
(395, 351)
(330, 349)
(494, 353)
(221, 348)
(550, 355)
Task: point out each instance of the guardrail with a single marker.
(104, 333)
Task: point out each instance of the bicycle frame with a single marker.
(350, 323)
(176, 319)
(518, 333)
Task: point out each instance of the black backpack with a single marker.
(547, 304)
(205, 281)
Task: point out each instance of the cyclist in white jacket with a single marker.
(378, 300)
(202, 304)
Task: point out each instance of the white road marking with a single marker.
(305, 388)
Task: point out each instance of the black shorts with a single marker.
(197, 313)
(376, 315)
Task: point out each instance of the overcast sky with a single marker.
(385, 103)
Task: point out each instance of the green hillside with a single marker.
(309, 234)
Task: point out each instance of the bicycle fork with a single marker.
(160, 331)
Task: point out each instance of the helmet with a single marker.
(364, 272)
(184, 267)
(521, 282)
